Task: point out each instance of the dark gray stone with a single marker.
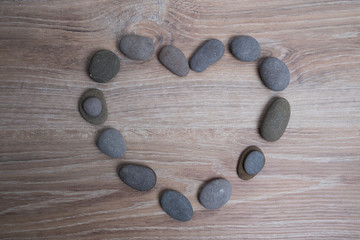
(138, 177)
(176, 206)
(275, 120)
(137, 47)
(174, 60)
(254, 162)
(104, 65)
(245, 48)
(275, 74)
(215, 194)
(209, 53)
(92, 106)
(87, 108)
(112, 143)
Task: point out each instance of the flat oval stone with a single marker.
(275, 120)
(215, 194)
(92, 106)
(275, 74)
(254, 162)
(245, 48)
(209, 53)
(137, 47)
(174, 60)
(104, 65)
(112, 143)
(176, 205)
(138, 177)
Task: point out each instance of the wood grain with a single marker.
(54, 182)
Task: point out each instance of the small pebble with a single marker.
(245, 48)
(176, 206)
(275, 120)
(174, 60)
(275, 74)
(112, 143)
(138, 177)
(254, 162)
(104, 65)
(209, 53)
(92, 106)
(137, 47)
(215, 194)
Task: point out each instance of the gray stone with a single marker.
(174, 60)
(92, 106)
(245, 48)
(254, 162)
(104, 65)
(275, 120)
(88, 106)
(209, 53)
(137, 47)
(215, 194)
(275, 74)
(176, 205)
(112, 143)
(138, 177)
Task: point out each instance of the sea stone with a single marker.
(245, 48)
(104, 65)
(89, 106)
(137, 47)
(215, 194)
(209, 53)
(275, 120)
(92, 106)
(174, 60)
(138, 177)
(112, 143)
(176, 205)
(254, 162)
(275, 74)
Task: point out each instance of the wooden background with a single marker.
(56, 184)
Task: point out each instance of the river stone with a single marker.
(104, 65)
(112, 143)
(275, 120)
(176, 205)
(174, 60)
(92, 106)
(89, 108)
(254, 162)
(137, 47)
(245, 48)
(215, 194)
(138, 177)
(275, 74)
(209, 53)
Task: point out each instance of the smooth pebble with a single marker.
(215, 194)
(112, 143)
(209, 53)
(245, 48)
(104, 65)
(92, 106)
(254, 162)
(174, 60)
(176, 205)
(138, 177)
(274, 73)
(137, 47)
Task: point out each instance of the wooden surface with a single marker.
(54, 182)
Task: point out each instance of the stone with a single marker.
(104, 66)
(275, 120)
(254, 162)
(138, 177)
(90, 108)
(215, 194)
(245, 48)
(176, 205)
(112, 143)
(274, 73)
(174, 60)
(137, 47)
(209, 53)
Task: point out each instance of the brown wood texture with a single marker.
(56, 184)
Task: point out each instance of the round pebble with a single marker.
(104, 65)
(176, 206)
(112, 143)
(138, 177)
(254, 162)
(174, 60)
(215, 194)
(209, 53)
(137, 47)
(275, 120)
(92, 106)
(245, 48)
(275, 74)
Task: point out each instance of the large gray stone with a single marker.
(104, 65)
(209, 53)
(245, 48)
(137, 47)
(138, 177)
(215, 194)
(176, 205)
(174, 60)
(112, 143)
(274, 73)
